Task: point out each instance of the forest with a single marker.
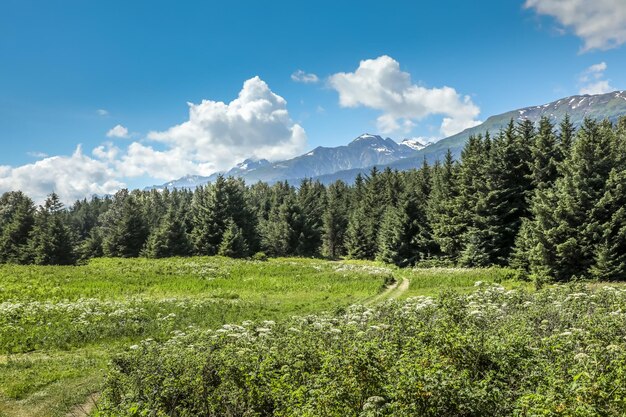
(548, 200)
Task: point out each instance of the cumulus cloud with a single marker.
(380, 84)
(302, 77)
(600, 23)
(72, 177)
(118, 131)
(592, 80)
(218, 135)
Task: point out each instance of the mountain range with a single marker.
(329, 164)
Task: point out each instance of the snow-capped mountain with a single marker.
(416, 143)
(364, 151)
(345, 162)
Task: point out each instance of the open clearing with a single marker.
(59, 326)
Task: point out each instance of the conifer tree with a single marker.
(126, 231)
(210, 215)
(391, 238)
(367, 210)
(566, 137)
(546, 156)
(358, 235)
(280, 233)
(442, 209)
(311, 201)
(51, 239)
(562, 240)
(610, 230)
(335, 220)
(240, 211)
(16, 222)
(233, 244)
(169, 238)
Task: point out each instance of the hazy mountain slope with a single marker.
(364, 151)
(345, 162)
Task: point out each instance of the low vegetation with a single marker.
(60, 326)
(494, 352)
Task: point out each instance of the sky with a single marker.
(96, 95)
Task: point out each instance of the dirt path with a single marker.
(85, 409)
(401, 289)
(391, 292)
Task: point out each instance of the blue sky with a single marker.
(70, 71)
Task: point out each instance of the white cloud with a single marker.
(218, 135)
(118, 131)
(380, 84)
(36, 154)
(592, 82)
(600, 23)
(102, 112)
(597, 68)
(302, 77)
(72, 177)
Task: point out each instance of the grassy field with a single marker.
(60, 326)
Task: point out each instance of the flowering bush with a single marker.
(559, 351)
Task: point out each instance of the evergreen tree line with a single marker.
(549, 200)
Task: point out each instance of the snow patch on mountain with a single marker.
(416, 143)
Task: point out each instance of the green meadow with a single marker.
(60, 326)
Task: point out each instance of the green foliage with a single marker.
(124, 227)
(335, 220)
(560, 351)
(51, 242)
(17, 217)
(233, 244)
(169, 239)
(543, 200)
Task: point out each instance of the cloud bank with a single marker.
(72, 177)
(601, 24)
(592, 80)
(217, 136)
(380, 84)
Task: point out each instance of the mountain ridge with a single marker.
(328, 164)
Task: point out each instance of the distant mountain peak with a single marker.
(416, 143)
(367, 137)
(251, 163)
(344, 162)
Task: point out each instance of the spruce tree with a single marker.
(126, 231)
(51, 239)
(233, 244)
(210, 215)
(546, 156)
(357, 235)
(281, 232)
(335, 220)
(312, 202)
(16, 222)
(566, 137)
(610, 230)
(563, 241)
(442, 209)
(391, 238)
(169, 238)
